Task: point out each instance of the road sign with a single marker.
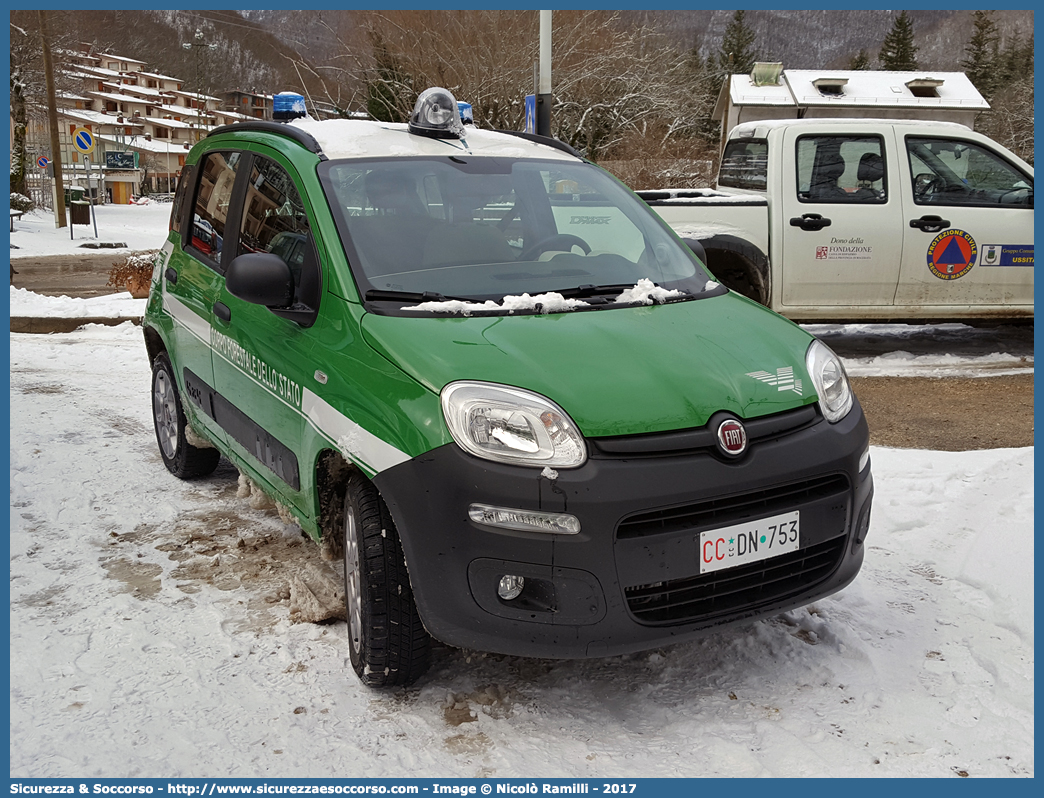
(530, 113)
(42, 161)
(83, 141)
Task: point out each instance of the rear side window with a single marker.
(184, 184)
(848, 169)
(745, 165)
(217, 177)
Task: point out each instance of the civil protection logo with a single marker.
(951, 254)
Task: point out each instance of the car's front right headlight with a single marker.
(511, 425)
(831, 382)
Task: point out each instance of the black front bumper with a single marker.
(630, 580)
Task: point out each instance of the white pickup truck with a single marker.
(865, 219)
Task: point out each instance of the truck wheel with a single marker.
(181, 458)
(388, 644)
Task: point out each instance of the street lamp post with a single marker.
(198, 44)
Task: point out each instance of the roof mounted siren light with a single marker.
(288, 105)
(466, 115)
(436, 115)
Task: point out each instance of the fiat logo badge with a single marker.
(732, 437)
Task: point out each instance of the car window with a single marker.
(493, 227)
(184, 185)
(744, 164)
(849, 169)
(274, 220)
(213, 196)
(953, 172)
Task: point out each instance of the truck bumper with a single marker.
(630, 579)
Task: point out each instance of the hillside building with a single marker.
(144, 124)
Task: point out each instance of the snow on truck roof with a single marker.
(859, 88)
(747, 129)
(355, 138)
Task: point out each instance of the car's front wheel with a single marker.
(388, 643)
(181, 458)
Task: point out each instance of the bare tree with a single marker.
(611, 82)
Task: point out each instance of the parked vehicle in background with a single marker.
(865, 219)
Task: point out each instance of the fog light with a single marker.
(510, 587)
(864, 460)
(524, 520)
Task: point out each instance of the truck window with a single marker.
(744, 164)
(849, 169)
(953, 172)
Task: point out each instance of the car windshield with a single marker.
(485, 228)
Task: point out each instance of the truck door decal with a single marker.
(951, 254)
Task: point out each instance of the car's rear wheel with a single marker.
(388, 644)
(181, 458)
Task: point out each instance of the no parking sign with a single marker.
(83, 141)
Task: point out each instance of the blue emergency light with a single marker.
(288, 105)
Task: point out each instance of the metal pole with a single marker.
(52, 121)
(543, 99)
(94, 216)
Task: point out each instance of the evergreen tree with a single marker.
(980, 61)
(859, 61)
(898, 52)
(389, 93)
(737, 55)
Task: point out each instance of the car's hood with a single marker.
(617, 371)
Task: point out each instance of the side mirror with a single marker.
(697, 249)
(260, 278)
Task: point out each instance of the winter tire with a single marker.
(388, 644)
(181, 458)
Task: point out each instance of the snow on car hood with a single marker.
(617, 371)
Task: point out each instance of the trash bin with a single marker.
(80, 212)
(74, 194)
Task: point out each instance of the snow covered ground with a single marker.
(140, 227)
(151, 631)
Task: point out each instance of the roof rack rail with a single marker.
(536, 138)
(307, 140)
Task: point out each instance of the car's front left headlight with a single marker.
(511, 425)
(830, 380)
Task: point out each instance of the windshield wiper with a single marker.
(617, 288)
(377, 295)
(593, 290)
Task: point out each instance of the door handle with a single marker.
(222, 311)
(930, 224)
(172, 275)
(810, 221)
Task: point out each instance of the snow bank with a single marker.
(112, 306)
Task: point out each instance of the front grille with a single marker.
(735, 589)
(701, 439)
(734, 509)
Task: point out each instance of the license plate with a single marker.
(748, 542)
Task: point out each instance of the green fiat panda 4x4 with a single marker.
(490, 375)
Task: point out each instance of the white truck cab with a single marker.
(866, 219)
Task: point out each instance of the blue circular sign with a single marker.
(42, 161)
